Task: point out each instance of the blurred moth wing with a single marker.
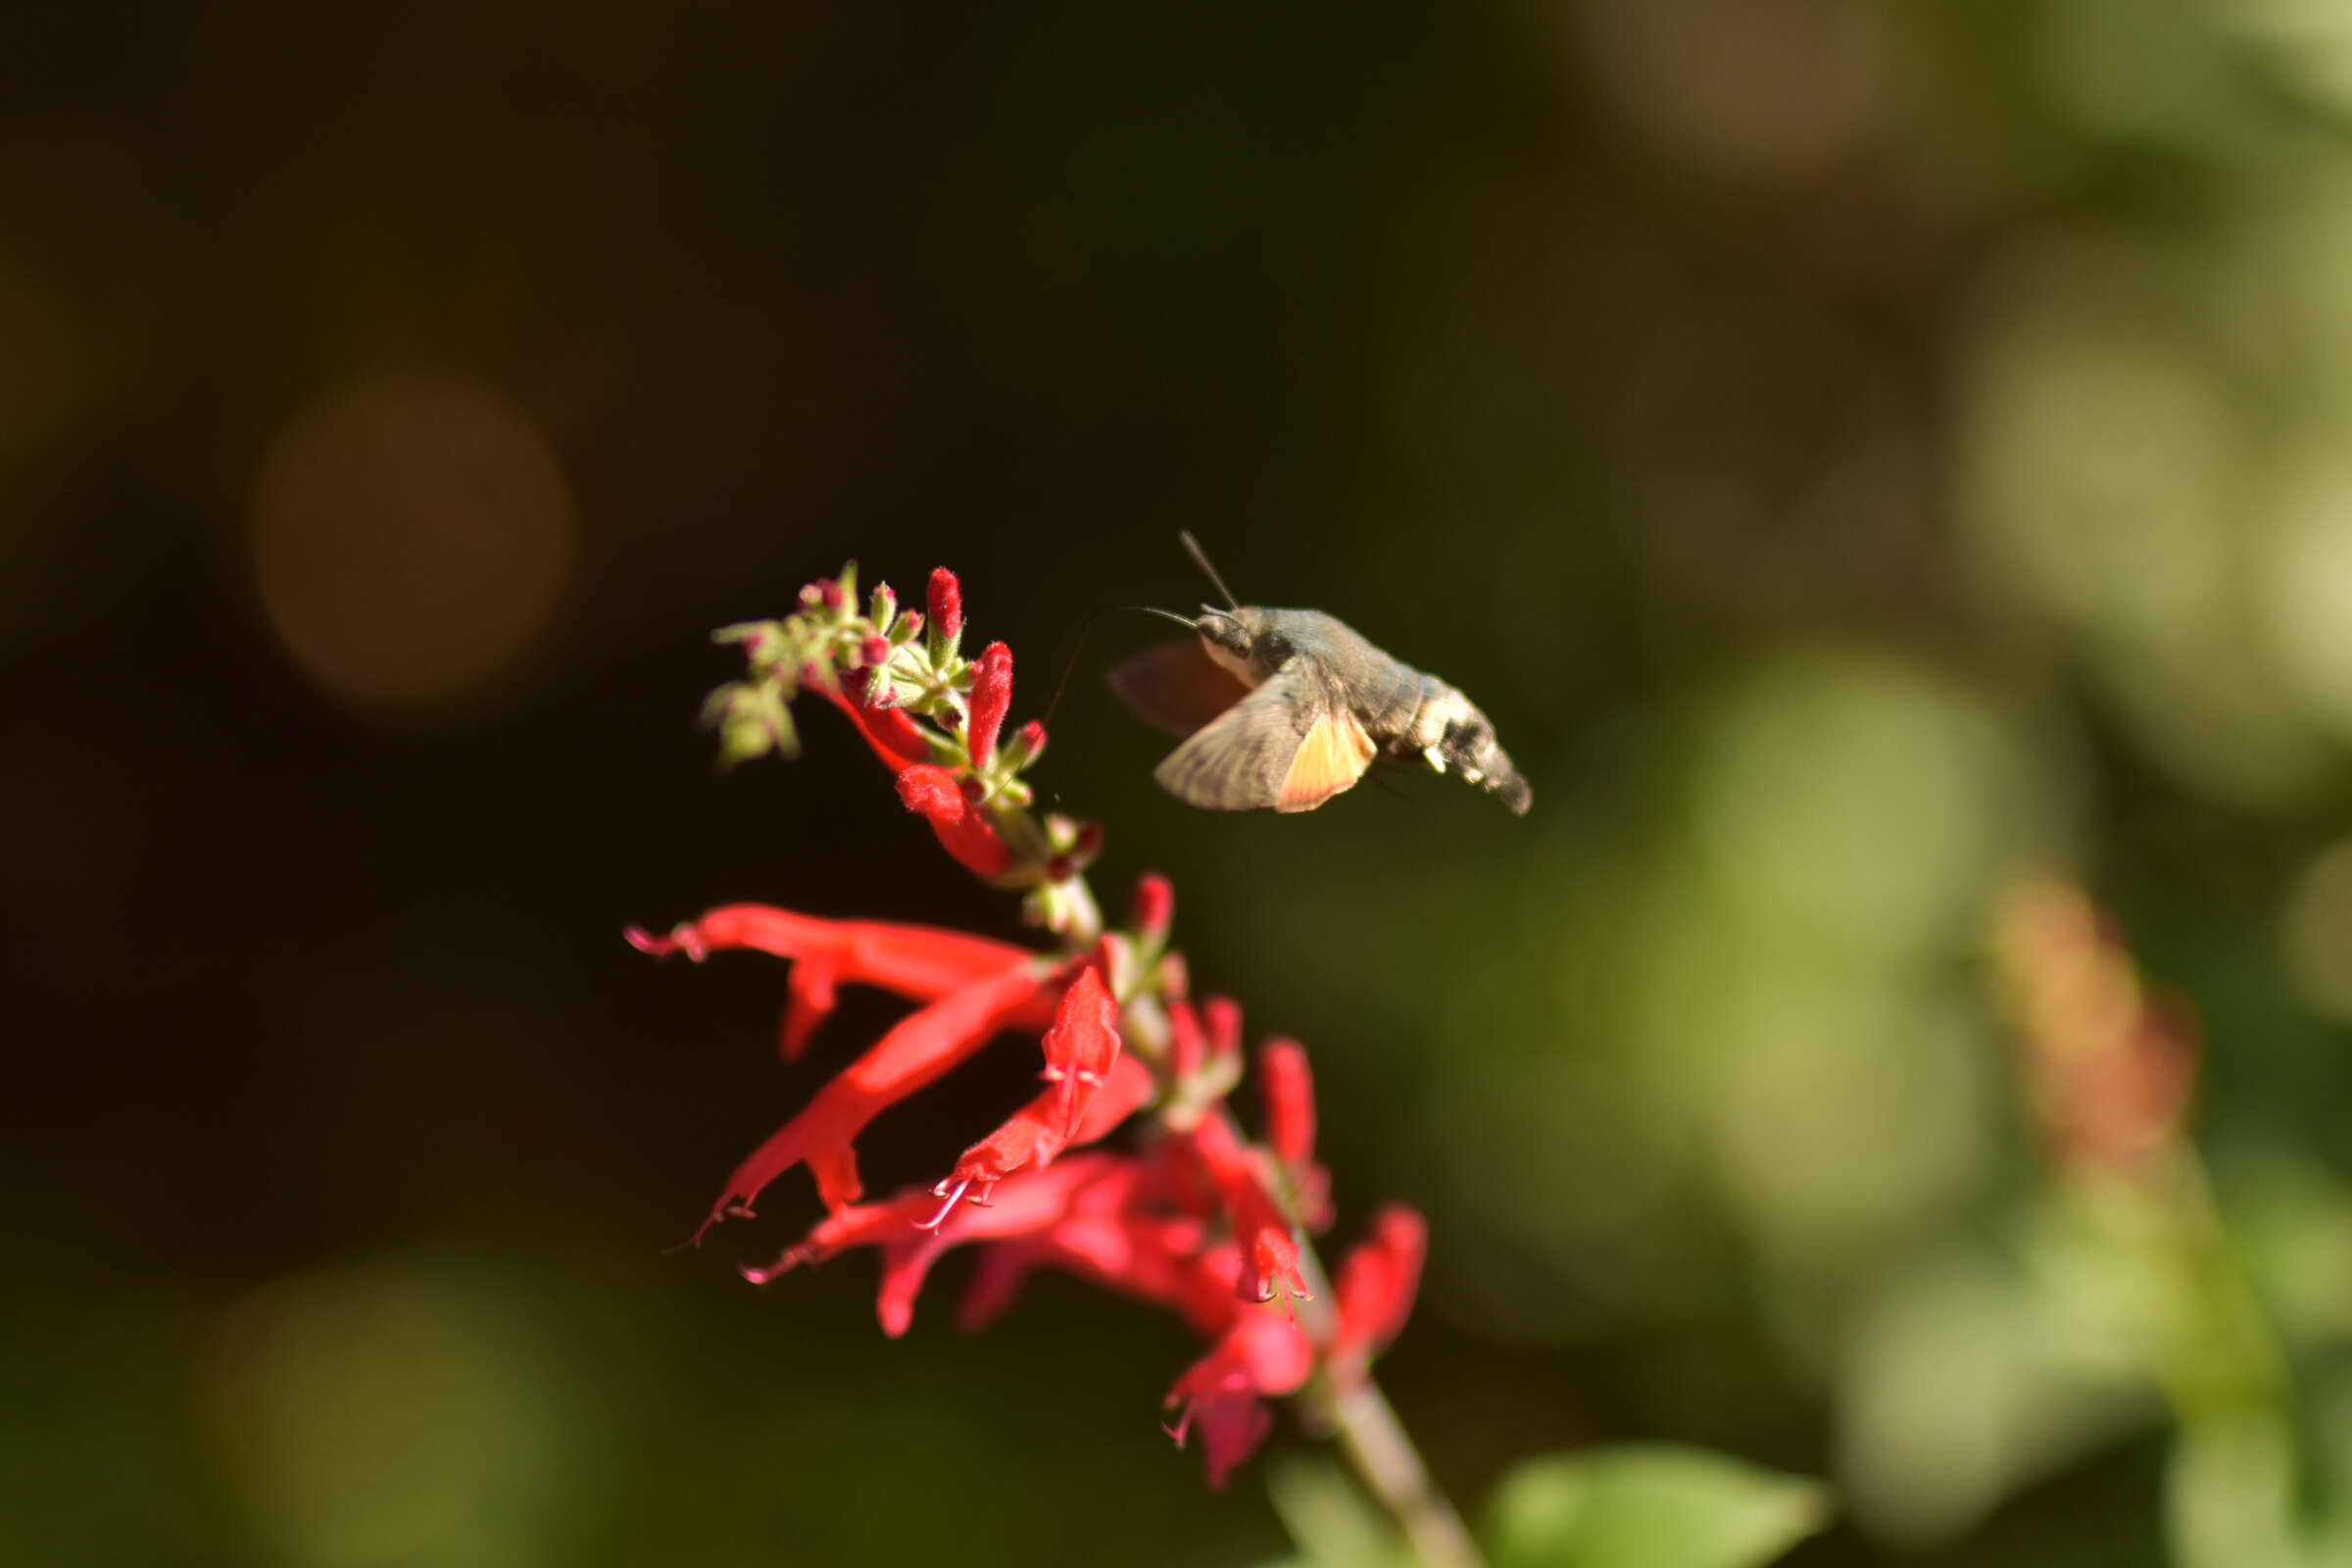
(1177, 687)
(1288, 744)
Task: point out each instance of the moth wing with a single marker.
(1332, 757)
(1287, 745)
(1177, 687)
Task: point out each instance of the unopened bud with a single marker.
(875, 650)
(1223, 1017)
(947, 605)
(882, 606)
(1154, 906)
(1089, 842)
(992, 700)
(1175, 976)
(1288, 1087)
(910, 626)
(1027, 741)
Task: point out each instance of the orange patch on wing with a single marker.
(1333, 757)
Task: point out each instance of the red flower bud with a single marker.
(1027, 744)
(828, 591)
(963, 829)
(947, 605)
(1154, 906)
(911, 625)
(1288, 1087)
(1223, 1017)
(1090, 840)
(1188, 1047)
(1374, 1290)
(992, 700)
(1061, 868)
(875, 650)
(1175, 976)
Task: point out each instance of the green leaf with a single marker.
(1650, 1506)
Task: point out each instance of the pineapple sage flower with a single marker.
(1185, 1211)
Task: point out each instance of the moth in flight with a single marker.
(1288, 708)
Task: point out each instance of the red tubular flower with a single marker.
(1374, 1288)
(897, 739)
(963, 829)
(920, 963)
(1082, 1061)
(1269, 1261)
(1083, 1044)
(917, 1050)
(992, 700)
(1037, 1132)
(1264, 1355)
(1033, 1203)
(1289, 1088)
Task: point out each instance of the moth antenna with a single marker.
(1201, 558)
(1070, 664)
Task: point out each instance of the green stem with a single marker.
(1377, 1445)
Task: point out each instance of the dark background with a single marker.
(1853, 452)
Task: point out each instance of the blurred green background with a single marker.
(1853, 451)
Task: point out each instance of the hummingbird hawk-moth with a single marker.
(1288, 708)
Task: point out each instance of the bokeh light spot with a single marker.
(2316, 933)
(383, 1414)
(411, 539)
(1769, 88)
(1856, 799)
(2307, 585)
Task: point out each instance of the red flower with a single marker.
(922, 962)
(1289, 1088)
(1262, 1355)
(962, 828)
(917, 1050)
(1269, 1261)
(1033, 1203)
(1374, 1288)
(992, 700)
(1199, 1222)
(896, 738)
(1096, 1090)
